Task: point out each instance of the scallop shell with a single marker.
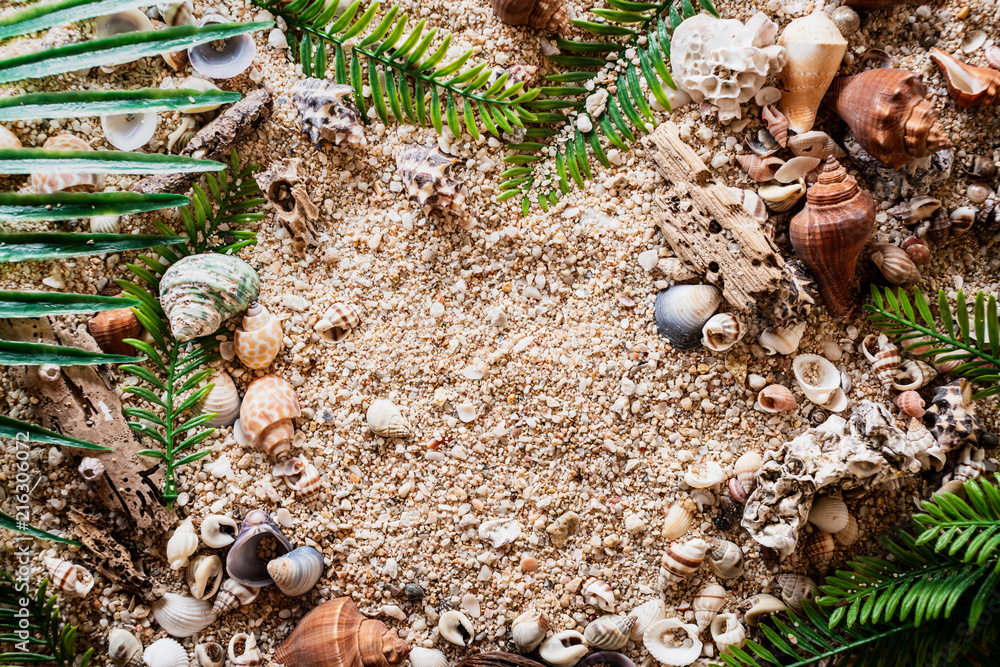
(683, 310)
(609, 633)
(259, 340)
(829, 514)
(820, 381)
(456, 628)
(782, 341)
(815, 50)
(106, 224)
(913, 374)
(70, 579)
(970, 86)
(678, 519)
(551, 15)
(885, 360)
(166, 652)
(110, 328)
(266, 414)
(681, 561)
(563, 649)
(819, 547)
(224, 58)
(704, 475)
(795, 590)
(338, 322)
(223, 399)
(598, 593)
(815, 144)
(760, 169)
(327, 113)
(674, 655)
(232, 595)
(124, 649)
(427, 657)
(911, 403)
(302, 477)
(182, 544)
(49, 183)
(242, 562)
(528, 630)
(199, 292)
(182, 616)
(210, 654)
(218, 531)
(425, 172)
(645, 615)
(727, 633)
(777, 123)
(385, 420)
(298, 571)
(708, 602)
(725, 558)
(895, 264)
(776, 398)
(760, 605)
(721, 332)
(848, 535)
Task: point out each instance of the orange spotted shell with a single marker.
(259, 340)
(48, 183)
(266, 414)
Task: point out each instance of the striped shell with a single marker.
(199, 292)
(302, 477)
(232, 595)
(917, 250)
(760, 169)
(298, 571)
(609, 633)
(124, 649)
(848, 535)
(885, 360)
(726, 559)
(737, 491)
(819, 547)
(646, 614)
(106, 224)
(777, 123)
(259, 340)
(680, 561)
(71, 579)
(427, 657)
(385, 419)
(796, 589)
(913, 374)
(48, 183)
(166, 652)
(598, 593)
(224, 400)
(266, 414)
(895, 264)
(721, 332)
(707, 603)
(776, 398)
(911, 403)
(746, 468)
(829, 513)
(425, 174)
(338, 322)
(782, 341)
(678, 519)
(528, 630)
(110, 327)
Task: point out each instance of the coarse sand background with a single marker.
(581, 405)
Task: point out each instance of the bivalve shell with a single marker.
(681, 561)
(199, 292)
(666, 651)
(266, 415)
(707, 603)
(165, 652)
(385, 420)
(260, 339)
(776, 398)
(298, 571)
(829, 513)
(683, 310)
(848, 535)
(182, 616)
(528, 630)
(338, 322)
(721, 332)
(427, 657)
(678, 519)
(609, 633)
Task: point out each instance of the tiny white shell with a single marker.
(673, 655)
(385, 419)
(563, 649)
(218, 531)
(165, 652)
(782, 341)
(727, 632)
(678, 519)
(722, 331)
(499, 532)
(704, 475)
(456, 628)
(427, 657)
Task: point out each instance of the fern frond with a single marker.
(42, 637)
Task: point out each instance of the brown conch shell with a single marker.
(830, 232)
(552, 15)
(336, 634)
(426, 175)
(815, 50)
(888, 114)
(970, 86)
(110, 327)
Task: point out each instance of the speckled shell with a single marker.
(552, 15)
(259, 340)
(425, 173)
(707, 603)
(242, 562)
(819, 547)
(48, 183)
(970, 86)
(199, 292)
(8, 139)
(110, 327)
(385, 419)
(796, 589)
(951, 417)
(884, 359)
(71, 579)
(609, 633)
(725, 558)
(336, 634)
(297, 572)
(338, 322)
(776, 398)
(895, 264)
(302, 477)
(680, 561)
(327, 113)
(224, 400)
(815, 50)
(681, 312)
(267, 412)
(678, 519)
(829, 513)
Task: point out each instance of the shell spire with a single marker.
(815, 50)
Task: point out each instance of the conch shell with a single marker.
(425, 172)
(552, 15)
(830, 232)
(267, 412)
(970, 86)
(815, 49)
(110, 327)
(259, 340)
(336, 634)
(198, 292)
(888, 114)
(327, 112)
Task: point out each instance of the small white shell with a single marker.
(298, 571)
(609, 633)
(727, 631)
(782, 341)
(210, 654)
(105, 224)
(528, 631)
(385, 419)
(165, 652)
(678, 519)
(820, 381)
(251, 656)
(218, 531)
(721, 332)
(707, 603)
(746, 468)
(127, 132)
(563, 649)
(675, 655)
(829, 514)
(598, 593)
(456, 628)
(302, 477)
(796, 168)
(427, 657)
(704, 475)
(646, 614)
(223, 400)
(124, 649)
(71, 579)
(204, 576)
(498, 532)
(182, 545)
(759, 605)
(182, 616)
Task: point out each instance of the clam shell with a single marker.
(218, 531)
(674, 655)
(260, 339)
(776, 398)
(427, 657)
(499, 532)
(182, 544)
(181, 616)
(683, 310)
(609, 633)
(106, 224)
(242, 562)
(166, 652)
(124, 649)
(110, 327)
(847, 535)
(204, 576)
(528, 630)
(815, 50)
(598, 593)
(721, 332)
(645, 615)
(725, 558)
(222, 59)
(708, 602)
(829, 514)
(680, 561)
(224, 400)
(266, 414)
(71, 579)
(232, 595)
(327, 113)
(796, 589)
(820, 381)
(678, 520)
(338, 322)
(385, 420)
(970, 86)
(210, 654)
(563, 649)
(49, 183)
(298, 571)
(759, 606)
(784, 340)
(198, 292)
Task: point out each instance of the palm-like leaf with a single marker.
(13, 524)
(43, 15)
(50, 641)
(82, 103)
(14, 353)
(73, 205)
(40, 160)
(33, 246)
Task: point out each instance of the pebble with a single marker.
(562, 528)
(756, 382)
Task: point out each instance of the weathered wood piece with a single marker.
(111, 558)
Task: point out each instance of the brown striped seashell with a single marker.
(796, 589)
(70, 579)
(336, 634)
(815, 50)
(830, 232)
(751, 203)
(551, 15)
(885, 360)
(760, 169)
(232, 595)
(598, 593)
(708, 602)
(737, 491)
(110, 327)
(819, 547)
(913, 374)
(829, 514)
(725, 558)
(678, 519)
(776, 398)
(259, 340)
(914, 210)
(722, 331)
(895, 264)
(301, 476)
(815, 144)
(970, 86)
(888, 114)
(961, 219)
(425, 172)
(940, 227)
(848, 535)
(911, 403)
(777, 124)
(266, 414)
(681, 561)
(48, 183)
(338, 322)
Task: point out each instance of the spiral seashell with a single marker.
(938, 229)
(847, 20)
(913, 374)
(777, 123)
(916, 250)
(106, 224)
(266, 415)
(223, 400)
(725, 558)
(336, 634)
(259, 340)
(776, 398)
(879, 4)
(970, 86)
(721, 332)
(302, 477)
(680, 561)
(911, 403)
(427, 657)
(70, 579)
(678, 519)
(251, 655)
(961, 219)
(737, 491)
(110, 328)
(563, 649)
(681, 312)
(210, 654)
(298, 571)
(782, 341)
(760, 605)
(49, 183)
(951, 417)
(338, 322)
(829, 514)
(181, 616)
(916, 209)
(752, 203)
(124, 649)
(708, 602)
(656, 642)
(815, 50)
(848, 535)
(182, 545)
(727, 633)
(763, 143)
(204, 576)
(426, 175)
(242, 562)
(609, 633)
(456, 628)
(895, 264)
(780, 198)
(796, 590)
(760, 169)
(166, 652)
(551, 15)
(225, 58)
(819, 547)
(198, 292)
(885, 360)
(327, 113)
(232, 595)
(820, 381)
(385, 420)
(645, 615)
(746, 468)
(528, 630)
(598, 593)
(218, 531)
(815, 144)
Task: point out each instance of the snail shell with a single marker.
(759, 606)
(259, 341)
(917, 250)
(683, 310)
(182, 544)
(242, 562)
(680, 561)
(49, 183)
(815, 50)
(727, 633)
(784, 340)
(223, 399)
(427, 657)
(848, 535)
(425, 172)
(970, 86)
(795, 590)
(181, 616)
(911, 403)
(707, 603)
(609, 633)
(218, 531)
(819, 548)
(829, 513)
(746, 468)
(302, 477)
(129, 131)
(645, 615)
(71, 579)
(726, 559)
(737, 491)
(298, 571)
(327, 113)
(721, 332)
(678, 519)
(528, 630)
(551, 15)
(885, 360)
(109, 328)
(951, 417)
(598, 593)
(210, 654)
(563, 649)
(224, 58)
(815, 144)
(780, 198)
(266, 414)
(338, 322)
(251, 656)
(676, 655)
(895, 264)
(916, 209)
(776, 398)
(124, 649)
(760, 169)
(704, 475)
(820, 381)
(913, 374)
(198, 292)
(456, 628)
(777, 124)
(962, 220)
(385, 420)
(166, 652)
(232, 595)
(204, 576)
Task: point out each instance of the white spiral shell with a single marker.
(71, 579)
(609, 633)
(528, 630)
(204, 576)
(182, 545)
(124, 648)
(563, 649)
(385, 419)
(782, 341)
(297, 572)
(727, 632)
(707, 603)
(646, 614)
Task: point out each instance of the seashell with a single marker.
(198, 292)
(707, 603)
(777, 123)
(924, 446)
(760, 605)
(563, 649)
(703, 498)
(819, 380)
(752, 203)
(678, 519)
(737, 491)
(704, 475)
(223, 58)
(782, 341)
(8, 139)
(988, 221)
(71, 579)
(338, 322)
(951, 417)
(110, 328)
(796, 168)
(499, 532)
(177, 12)
(913, 374)
(780, 198)
(914, 210)
(819, 547)
(425, 172)
(939, 227)
(645, 615)
(885, 360)
(385, 420)
(551, 15)
(776, 398)
(992, 55)
(847, 20)
(982, 167)
(259, 340)
(49, 183)
(970, 86)
(878, 4)
(815, 144)
(681, 312)
(598, 593)
(218, 531)
(727, 633)
(232, 595)
(680, 561)
(895, 264)
(242, 562)
(655, 640)
(182, 544)
(562, 528)
(210, 654)
(528, 631)
(124, 649)
(201, 85)
(829, 233)
(120, 23)
(848, 535)
(815, 50)
(181, 616)
(298, 571)
(266, 414)
(609, 633)
(746, 468)
(129, 131)
(829, 513)
(302, 477)
(165, 652)
(204, 576)
(763, 143)
(962, 220)
(760, 169)
(427, 657)
(336, 634)
(327, 113)
(796, 590)
(916, 250)
(911, 404)
(725, 558)
(106, 224)
(887, 112)
(251, 656)
(456, 628)
(609, 658)
(223, 399)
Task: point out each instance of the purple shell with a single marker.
(242, 562)
(610, 658)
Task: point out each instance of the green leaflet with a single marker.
(41, 161)
(11, 523)
(44, 304)
(41, 15)
(83, 103)
(13, 353)
(22, 431)
(72, 205)
(55, 245)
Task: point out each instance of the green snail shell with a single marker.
(199, 292)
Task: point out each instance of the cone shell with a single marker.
(681, 561)
(267, 412)
(551, 15)
(829, 514)
(110, 327)
(259, 340)
(224, 400)
(830, 232)
(895, 264)
(298, 571)
(336, 634)
(888, 114)
(776, 398)
(726, 559)
(678, 519)
(819, 548)
(199, 292)
(795, 590)
(609, 633)
(71, 579)
(338, 322)
(44, 184)
(970, 86)
(815, 50)
(707, 603)
(683, 310)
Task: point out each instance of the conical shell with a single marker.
(336, 634)
(830, 232)
(528, 630)
(829, 514)
(683, 310)
(895, 264)
(224, 400)
(726, 559)
(552, 15)
(888, 114)
(243, 562)
(970, 86)
(71, 579)
(796, 589)
(884, 359)
(707, 603)
(385, 419)
(110, 327)
(232, 595)
(267, 412)
(124, 649)
(609, 633)
(204, 576)
(815, 50)
(297, 572)
(199, 292)
(819, 547)
(166, 652)
(259, 340)
(783, 340)
(49, 183)
(302, 477)
(680, 561)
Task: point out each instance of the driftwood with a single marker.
(111, 558)
(701, 219)
(284, 185)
